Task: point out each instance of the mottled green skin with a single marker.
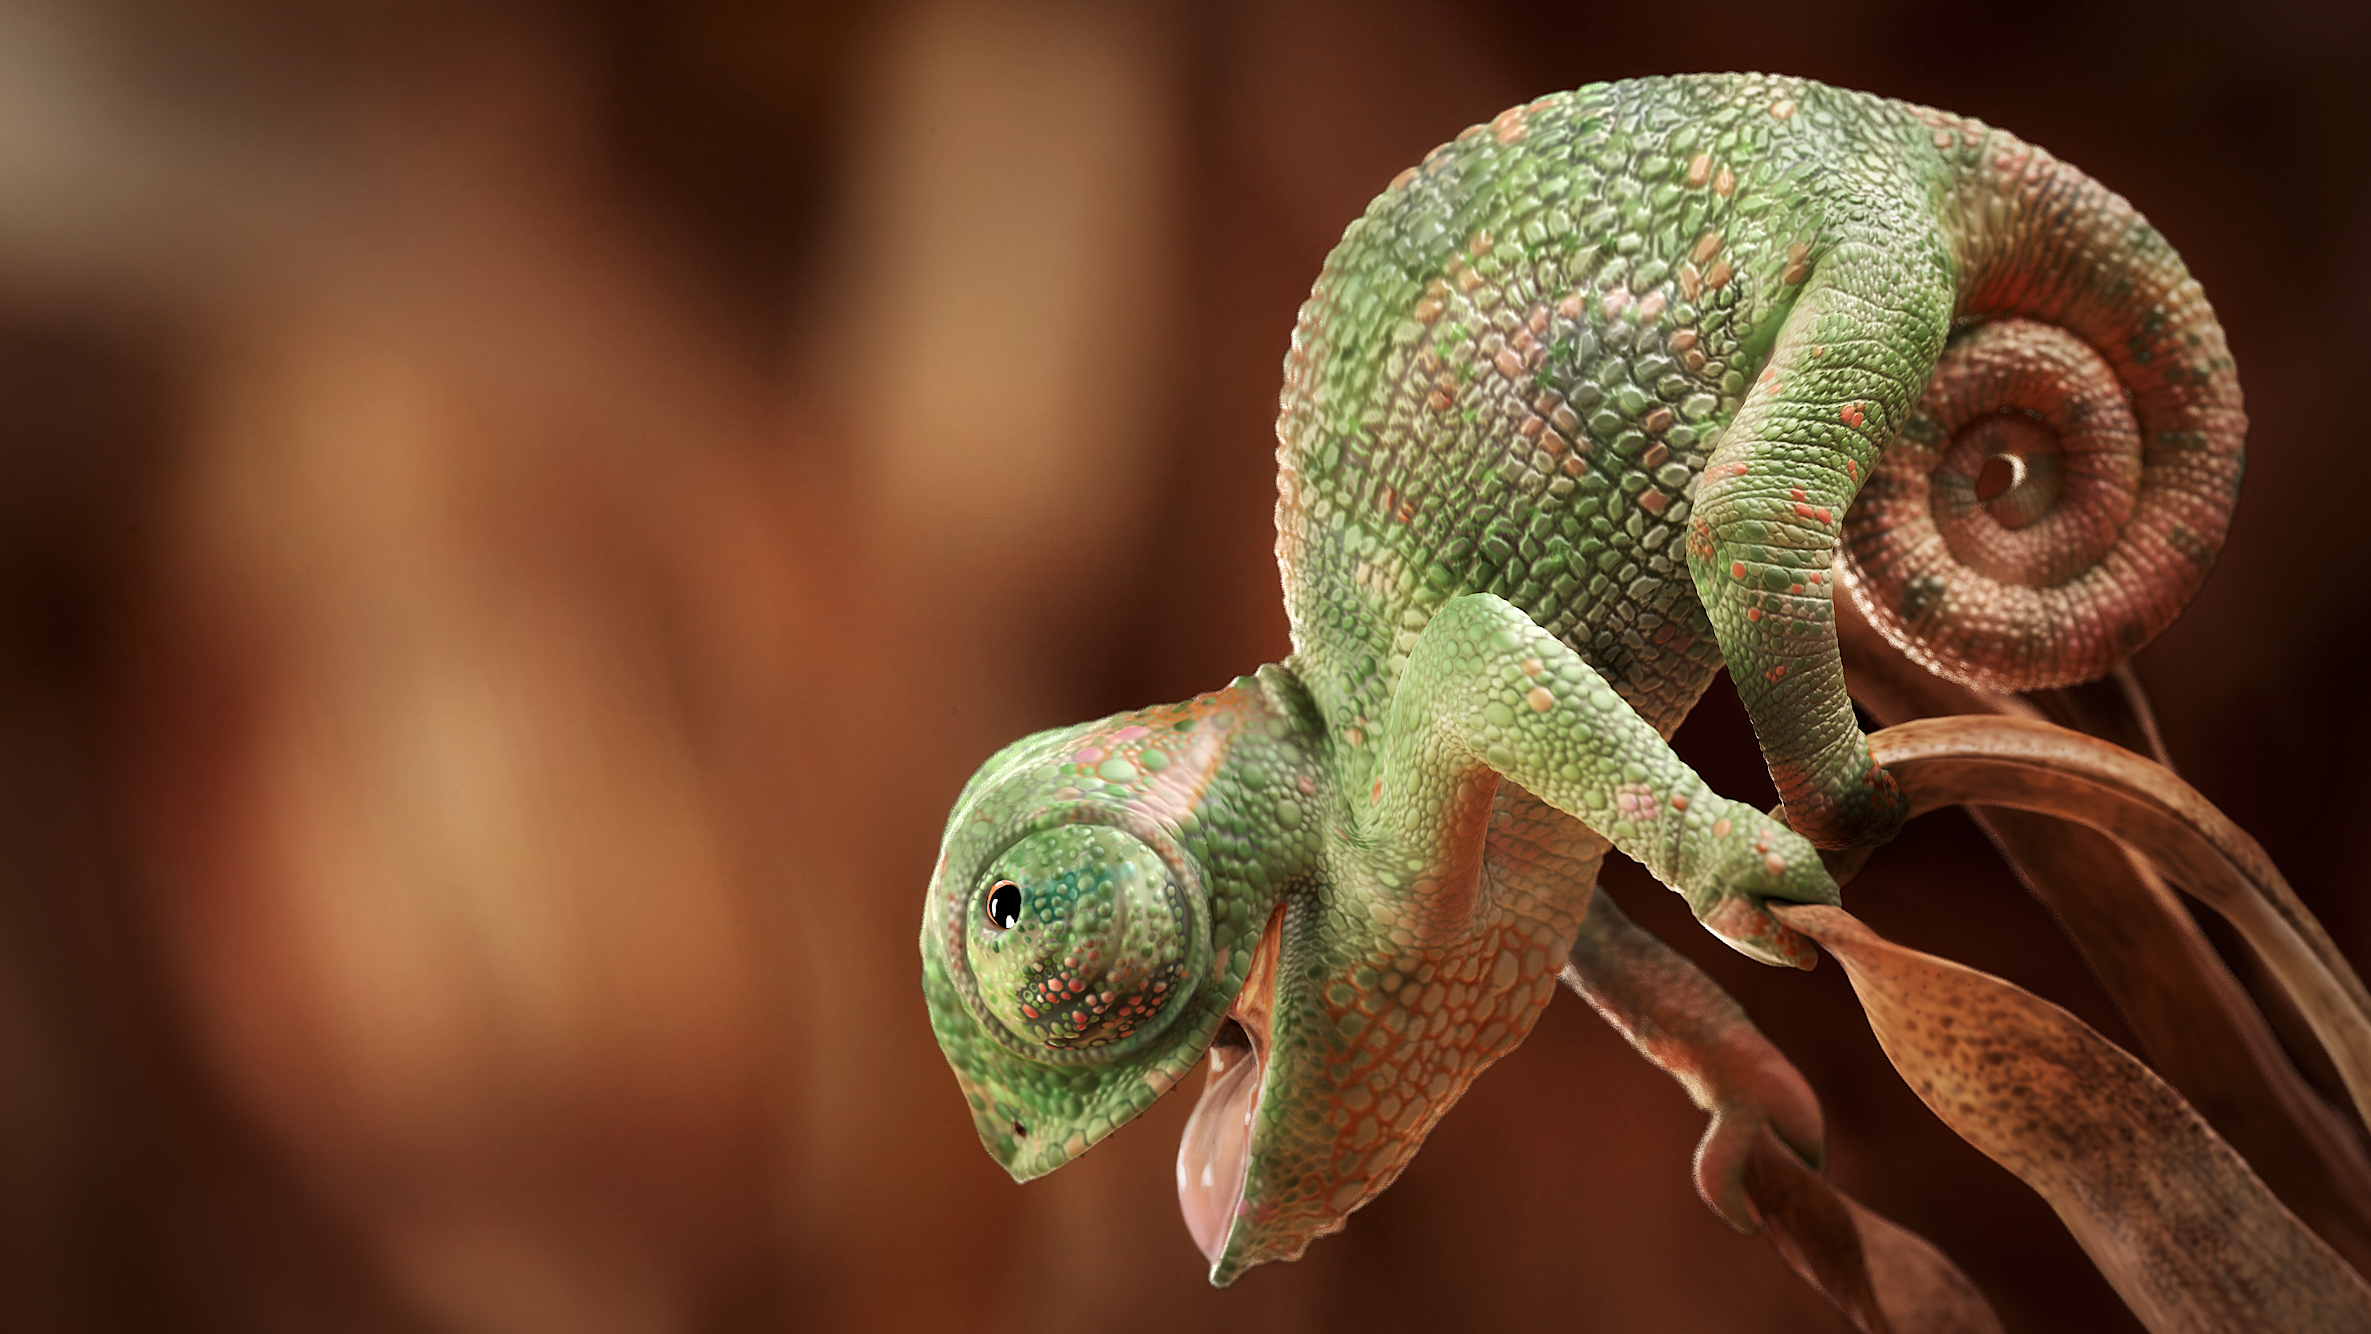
(1540, 437)
(1571, 418)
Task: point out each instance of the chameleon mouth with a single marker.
(1214, 1158)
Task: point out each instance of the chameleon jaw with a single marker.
(1214, 1157)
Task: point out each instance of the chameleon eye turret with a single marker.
(1082, 942)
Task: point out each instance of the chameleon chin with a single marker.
(1626, 386)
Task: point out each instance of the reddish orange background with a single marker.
(516, 520)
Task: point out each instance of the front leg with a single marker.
(1682, 1021)
(1488, 694)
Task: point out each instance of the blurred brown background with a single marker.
(515, 521)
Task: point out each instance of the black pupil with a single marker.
(1004, 905)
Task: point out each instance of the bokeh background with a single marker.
(516, 520)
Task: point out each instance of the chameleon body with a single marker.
(1572, 419)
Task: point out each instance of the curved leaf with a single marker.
(2173, 1217)
(2036, 766)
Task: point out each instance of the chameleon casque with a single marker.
(1605, 395)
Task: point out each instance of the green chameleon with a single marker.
(1572, 420)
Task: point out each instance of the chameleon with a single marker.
(1625, 386)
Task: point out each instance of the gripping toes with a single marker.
(1486, 688)
(1753, 859)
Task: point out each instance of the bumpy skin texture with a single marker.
(1573, 418)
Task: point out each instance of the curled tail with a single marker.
(2063, 487)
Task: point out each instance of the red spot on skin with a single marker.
(1753, 613)
(1821, 514)
(1851, 415)
(1794, 493)
(1737, 570)
(1720, 827)
(1775, 674)
(1377, 794)
(1796, 589)
(1029, 1010)
(1679, 803)
(1852, 470)
(1802, 511)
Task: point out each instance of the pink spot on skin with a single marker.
(1774, 864)
(1377, 794)
(1615, 300)
(1091, 755)
(1540, 700)
(1130, 733)
(1720, 828)
(1509, 127)
(1649, 306)
(1533, 667)
(1636, 801)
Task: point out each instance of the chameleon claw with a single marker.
(1745, 925)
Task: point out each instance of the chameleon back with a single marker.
(1515, 365)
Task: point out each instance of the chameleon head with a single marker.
(1115, 900)
(1079, 951)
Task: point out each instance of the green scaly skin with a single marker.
(1572, 420)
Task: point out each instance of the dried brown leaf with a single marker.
(2174, 1218)
(2035, 766)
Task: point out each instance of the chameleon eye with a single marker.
(1004, 905)
(1111, 948)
